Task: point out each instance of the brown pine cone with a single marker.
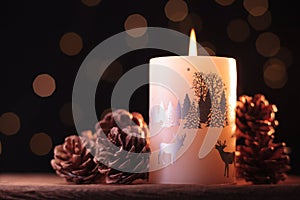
(255, 115)
(118, 118)
(123, 155)
(138, 119)
(88, 140)
(74, 162)
(259, 159)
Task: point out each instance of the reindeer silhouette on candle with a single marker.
(171, 148)
(227, 157)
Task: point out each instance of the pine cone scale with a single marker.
(73, 162)
(260, 159)
(129, 144)
(60, 154)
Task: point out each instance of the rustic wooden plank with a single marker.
(50, 186)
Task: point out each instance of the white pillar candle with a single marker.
(192, 118)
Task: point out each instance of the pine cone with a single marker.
(138, 119)
(134, 160)
(122, 147)
(259, 159)
(123, 156)
(118, 118)
(89, 140)
(74, 162)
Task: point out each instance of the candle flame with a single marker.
(193, 44)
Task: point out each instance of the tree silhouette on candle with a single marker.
(224, 108)
(178, 113)
(192, 118)
(205, 108)
(170, 116)
(210, 91)
(203, 95)
(186, 106)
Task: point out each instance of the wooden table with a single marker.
(50, 186)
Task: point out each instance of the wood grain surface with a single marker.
(50, 186)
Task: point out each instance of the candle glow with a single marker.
(192, 126)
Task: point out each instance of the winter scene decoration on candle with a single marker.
(192, 118)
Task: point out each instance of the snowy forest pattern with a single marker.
(208, 108)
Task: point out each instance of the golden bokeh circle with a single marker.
(192, 20)
(9, 123)
(44, 85)
(71, 43)
(176, 10)
(256, 7)
(260, 23)
(91, 2)
(135, 21)
(137, 42)
(273, 61)
(267, 44)
(275, 76)
(40, 144)
(238, 30)
(225, 2)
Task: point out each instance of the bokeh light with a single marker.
(113, 72)
(71, 43)
(40, 144)
(66, 113)
(225, 2)
(275, 75)
(176, 10)
(135, 21)
(267, 44)
(137, 42)
(91, 2)
(273, 61)
(238, 30)
(256, 7)
(9, 123)
(191, 21)
(260, 23)
(44, 85)
(286, 56)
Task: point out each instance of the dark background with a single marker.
(30, 35)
